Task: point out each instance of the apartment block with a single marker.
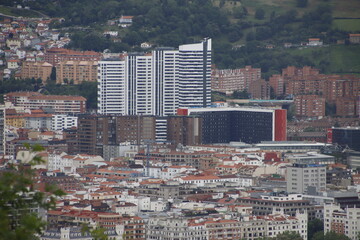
(259, 89)
(36, 70)
(306, 178)
(195, 74)
(309, 106)
(276, 82)
(185, 130)
(251, 228)
(135, 129)
(286, 204)
(156, 83)
(230, 80)
(56, 55)
(2, 130)
(60, 122)
(346, 106)
(94, 132)
(76, 71)
(49, 103)
(342, 221)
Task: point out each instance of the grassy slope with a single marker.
(348, 25)
(342, 58)
(18, 12)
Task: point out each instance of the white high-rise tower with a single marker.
(166, 81)
(195, 74)
(157, 83)
(112, 87)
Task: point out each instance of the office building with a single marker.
(346, 137)
(249, 125)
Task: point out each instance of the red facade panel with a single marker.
(329, 135)
(280, 125)
(182, 112)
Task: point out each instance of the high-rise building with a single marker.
(112, 87)
(195, 74)
(310, 106)
(165, 67)
(140, 85)
(156, 83)
(230, 80)
(2, 130)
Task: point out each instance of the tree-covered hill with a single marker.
(244, 32)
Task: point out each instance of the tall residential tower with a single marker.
(156, 83)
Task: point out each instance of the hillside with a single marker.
(244, 32)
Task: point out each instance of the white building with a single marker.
(2, 129)
(139, 85)
(166, 80)
(60, 122)
(153, 84)
(195, 74)
(69, 163)
(342, 221)
(112, 87)
(301, 177)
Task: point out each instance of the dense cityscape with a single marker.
(167, 145)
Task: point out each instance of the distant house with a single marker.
(111, 33)
(145, 45)
(315, 42)
(125, 21)
(13, 64)
(354, 38)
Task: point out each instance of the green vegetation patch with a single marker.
(348, 25)
(333, 59)
(18, 12)
(346, 9)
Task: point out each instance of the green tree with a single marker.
(98, 233)
(18, 199)
(302, 3)
(53, 74)
(287, 235)
(314, 226)
(329, 236)
(260, 14)
(241, 94)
